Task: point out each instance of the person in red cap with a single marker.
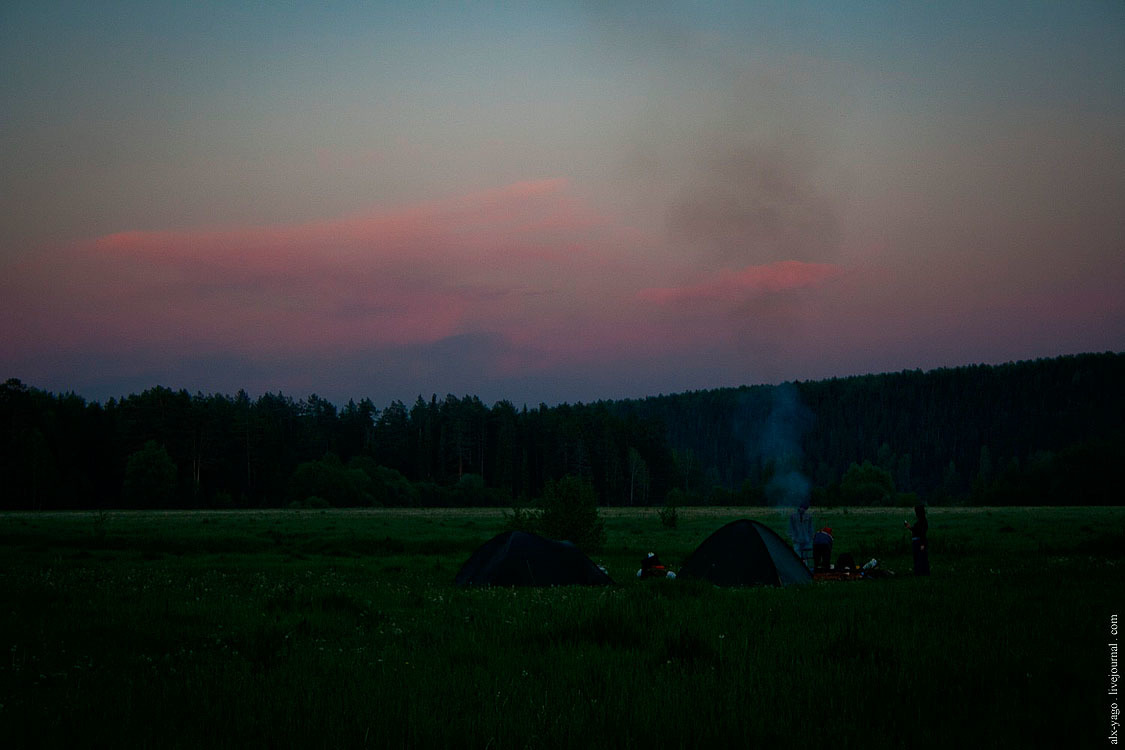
(651, 567)
(822, 549)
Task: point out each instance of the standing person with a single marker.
(801, 532)
(918, 542)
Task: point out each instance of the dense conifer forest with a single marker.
(1049, 431)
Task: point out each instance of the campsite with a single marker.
(344, 628)
(561, 374)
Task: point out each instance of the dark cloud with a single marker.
(751, 204)
(739, 164)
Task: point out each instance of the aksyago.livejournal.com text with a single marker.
(1114, 677)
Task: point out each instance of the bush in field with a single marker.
(569, 510)
(222, 500)
(471, 492)
(392, 488)
(522, 518)
(669, 516)
(387, 486)
(310, 502)
(329, 479)
(471, 482)
(867, 484)
(150, 478)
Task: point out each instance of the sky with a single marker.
(553, 201)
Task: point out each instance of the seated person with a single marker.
(822, 549)
(651, 567)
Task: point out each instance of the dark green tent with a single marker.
(746, 553)
(517, 558)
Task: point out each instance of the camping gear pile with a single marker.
(846, 570)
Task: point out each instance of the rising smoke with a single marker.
(737, 160)
(776, 441)
(752, 203)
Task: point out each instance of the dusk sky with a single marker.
(557, 201)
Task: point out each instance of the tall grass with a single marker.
(342, 629)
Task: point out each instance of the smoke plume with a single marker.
(776, 441)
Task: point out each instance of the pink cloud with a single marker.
(471, 227)
(501, 260)
(735, 286)
(549, 282)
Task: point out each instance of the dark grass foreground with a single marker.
(342, 629)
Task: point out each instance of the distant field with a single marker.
(342, 629)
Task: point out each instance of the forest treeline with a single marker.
(1049, 431)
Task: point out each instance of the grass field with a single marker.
(342, 629)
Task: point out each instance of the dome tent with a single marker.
(746, 553)
(517, 558)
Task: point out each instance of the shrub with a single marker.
(340, 487)
(669, 516)
(522, 519)
(471, 492)
(387, 486)
(312, 501)
(570, 512)
(867, 485)
(222, 499)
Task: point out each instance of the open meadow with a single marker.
(342, 628)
